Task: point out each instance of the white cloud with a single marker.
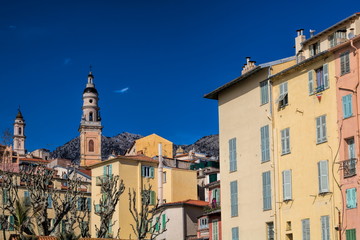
(122, 90)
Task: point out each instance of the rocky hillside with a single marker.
(121, 142)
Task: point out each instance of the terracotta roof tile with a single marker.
(189, 202)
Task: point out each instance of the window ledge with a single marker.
(317, 143)
(286, 153)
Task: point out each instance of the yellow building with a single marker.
(148, 146)
(138, 172)
(248, 205)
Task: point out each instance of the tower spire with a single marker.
(19, 134)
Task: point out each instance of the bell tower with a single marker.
(19, 134)
(90, 125)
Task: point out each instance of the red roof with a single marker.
(189, 202)
(85, 171)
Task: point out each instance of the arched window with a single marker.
(90, 116)
(19, 130)
(19, 144)
(91, 146)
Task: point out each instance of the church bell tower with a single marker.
(19, 134)
(90, 125)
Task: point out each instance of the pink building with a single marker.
(348, 86)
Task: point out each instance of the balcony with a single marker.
(212, 208)
(103, 179)
(349, 167)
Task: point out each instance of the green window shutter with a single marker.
(287, 191)
(232, 154)
(234, 198)
(11, 223)
(152, 172)
(5, 196)
(79, 204)
(104, 171)
(157, 227)
(266, 190)
(163, 222)
(351, 199)
(323, 176)
(235, 233)
(326, 75)
(311, 82)
(143, 171)
(351, 234)
(152, 198)
(110, 169)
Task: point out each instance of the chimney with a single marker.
(298, 40)
(248, 65)
(312, 31)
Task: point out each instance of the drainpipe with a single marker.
(160, 177)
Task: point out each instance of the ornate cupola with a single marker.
(90, 125)
(19, 134)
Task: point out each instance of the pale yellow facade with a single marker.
(299, 115)
(180, 185)
(241, 116)
(148, 146)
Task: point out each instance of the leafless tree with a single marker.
(7, 137)
(111, 188)
(147, 219)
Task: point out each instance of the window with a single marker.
(215, 196)
(351, 201)
(266, 190)
(349, 165)
(264, 92)
(314, 49)
(91, 146)
(321, 77)
(215, 230)
(347, 105)
(285, 141)
(235, 233)
(164, 177)
(270, 231)
(323, 176)
(321, 129)
(203, 223)
(147, 171)
(49, 202)
(351, 148)
(212, 177)
(26, 198)
(325, 229)
(107, 170)
(337, 38)
(152, 197)
(89, 204)
(351, 234)
(81, 205)
(232, 154)
(90, 116)
(283, 96)
(305, 229)
(287, 188)
(19, 130)
(345, 63)
(234, 198)
(265, 144)
(5, 197)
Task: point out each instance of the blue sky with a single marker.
(153, 60)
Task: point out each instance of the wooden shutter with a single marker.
(265, 148)
(311, 82)
(234, 198)
(323, 176)
(326, 75)
(321, 129)
(305, 229)
(152, 198)
(351, 199)
(347, 105)
(351, 234)
(151, 172)
(325, 229)
(266, 190)
(232, 154)
(287, 188)
(163, 222)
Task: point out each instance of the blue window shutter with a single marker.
(326, 75)
(234, 198)
(311, 82)
(325, 228)
(110, 169)
(351, 199)
(232, 154)
(287, 191)
(143, 171)
(49, 201)
(305, 229)
(347, 105)
(265, 144)
(11, 223)
(235, 233)
(104, 171)
(323, 176)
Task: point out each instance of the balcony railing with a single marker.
(349, 167)
(102, 179)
